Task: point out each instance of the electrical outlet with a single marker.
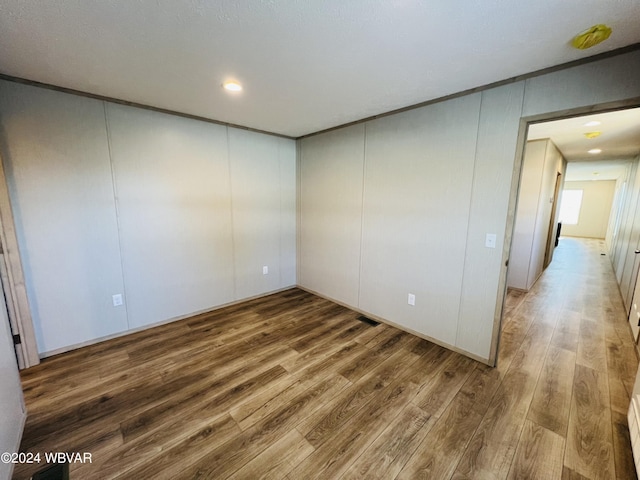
(117, 300)
(265, 270)
(411, 300)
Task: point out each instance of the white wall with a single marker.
(526, 214)
(554, 164)
(416, 170)
(174, 212)
(407, 190)
(263, 197)
(331, 173)
(391, 189)
(625, 261)
(615, 219)
(177, 215)
(625, 230)
(597, 199)
(56, 156)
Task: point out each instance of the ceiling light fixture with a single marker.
(593, 123)
(232, 86)
(591, 37)
(591, 135)
(594, 151)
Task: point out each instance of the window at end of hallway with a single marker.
(570, 204)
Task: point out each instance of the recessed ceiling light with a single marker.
(594, 151)
(232, 86)
(591, 37)
(591, 135)
(592, 123)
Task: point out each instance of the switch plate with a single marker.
(490, 241)
(265, 270)
(117, 300)
(411, 299)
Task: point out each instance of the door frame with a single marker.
(553, 232)
(11, 396)
(516, 178)
(13, 282)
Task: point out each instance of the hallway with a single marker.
(570, 331)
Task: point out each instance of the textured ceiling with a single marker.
(305, 66)
(619, 135)
(596, 170)
(619, 141)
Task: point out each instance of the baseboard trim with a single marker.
(400, 327)
(75, 346)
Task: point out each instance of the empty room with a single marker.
(322, 240)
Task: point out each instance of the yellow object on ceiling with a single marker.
(591, 135)
(592, 36)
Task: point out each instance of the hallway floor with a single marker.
(570, 332)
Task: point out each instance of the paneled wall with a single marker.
(176, 215)
(399, 201)
(622, 204)
(55, 151)
(423, 189)
(331, 176)
(626, 262)
(179, 216)
(417, 195)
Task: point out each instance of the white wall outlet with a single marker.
(411, 299)
(490, 241)
(117, 300)
(265, 270)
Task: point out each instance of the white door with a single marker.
(12, 411)
(634, 314)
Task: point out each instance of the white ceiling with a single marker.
(602, 170)
(305, 66)
(619, 141)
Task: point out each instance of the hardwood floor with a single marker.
(293, 386)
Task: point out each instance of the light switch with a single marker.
(490, 241)
(411, 300)
(265, 270)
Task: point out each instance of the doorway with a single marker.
(610, 152)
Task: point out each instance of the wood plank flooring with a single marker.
(292, 386)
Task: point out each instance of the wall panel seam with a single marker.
(280, 214)
(364, 163)
(117, 212)
(233, 229)
(466, 246)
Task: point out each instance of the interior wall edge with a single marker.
(495, 162)
(510, 225)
